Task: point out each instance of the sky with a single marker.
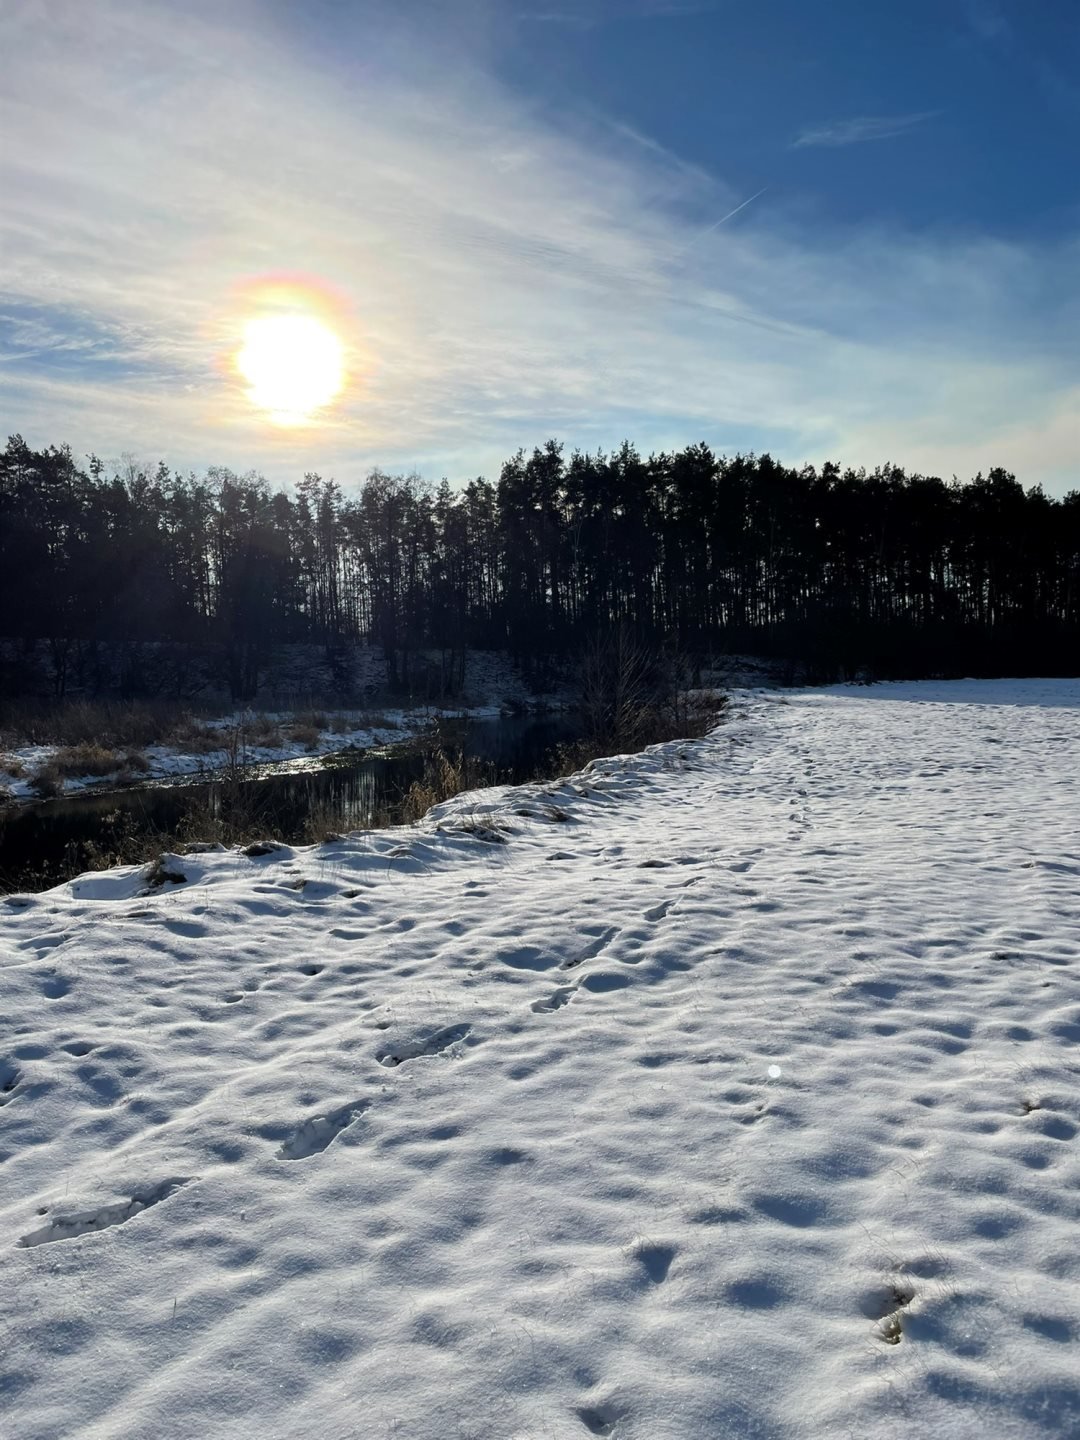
(818, 228)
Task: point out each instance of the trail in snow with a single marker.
(744, 1101)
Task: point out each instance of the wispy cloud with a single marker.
(861, 129)
(503, 279)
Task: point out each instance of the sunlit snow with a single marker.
(730, 1090)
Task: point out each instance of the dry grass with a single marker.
(685, 718)
(160, 874)
(90, 758)
(443, 778)
(481, 825)
(324, 822)
(306, 735)
(262, 730)
(360, 720)
(195, 737)
(12, 766)
(76, 762)
(114, 724)
(126, 725)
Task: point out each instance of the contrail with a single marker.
(731, 213)
(716, 225)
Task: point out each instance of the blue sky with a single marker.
(921, 114)
(533, 216)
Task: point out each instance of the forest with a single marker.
(841, 572)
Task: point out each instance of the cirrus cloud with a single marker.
(505, 277)
(858, 131)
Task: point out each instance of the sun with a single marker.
(294, 365)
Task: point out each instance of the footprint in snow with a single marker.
(886, 1304)
(435, 1044)
(320, 1131)
(592, 949)
(10, 1075)
(86, 1222)
(555, 1001)
(655, 1260)
(42, 944)
(600, 1420)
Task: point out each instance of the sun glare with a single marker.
(294, 366)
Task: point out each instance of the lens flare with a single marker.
(292, 358)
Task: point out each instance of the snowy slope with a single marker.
(735, 1094)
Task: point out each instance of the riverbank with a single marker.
(304, 800)
(727, 1089)
(206, 746)
(77, 746)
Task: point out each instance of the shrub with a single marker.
(47, 782)
(87, 758)
(196, 737)
(264, 731)
(443, 778)
(112, 723)
(306, 735)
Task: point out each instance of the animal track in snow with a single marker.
(434, 1044)
(70, 1227)
(658, 912)
(316, 1133)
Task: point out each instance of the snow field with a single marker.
(735, 1095)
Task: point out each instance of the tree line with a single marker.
(843, 570)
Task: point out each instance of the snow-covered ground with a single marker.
(736, 1094)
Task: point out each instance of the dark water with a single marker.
(46, 843)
